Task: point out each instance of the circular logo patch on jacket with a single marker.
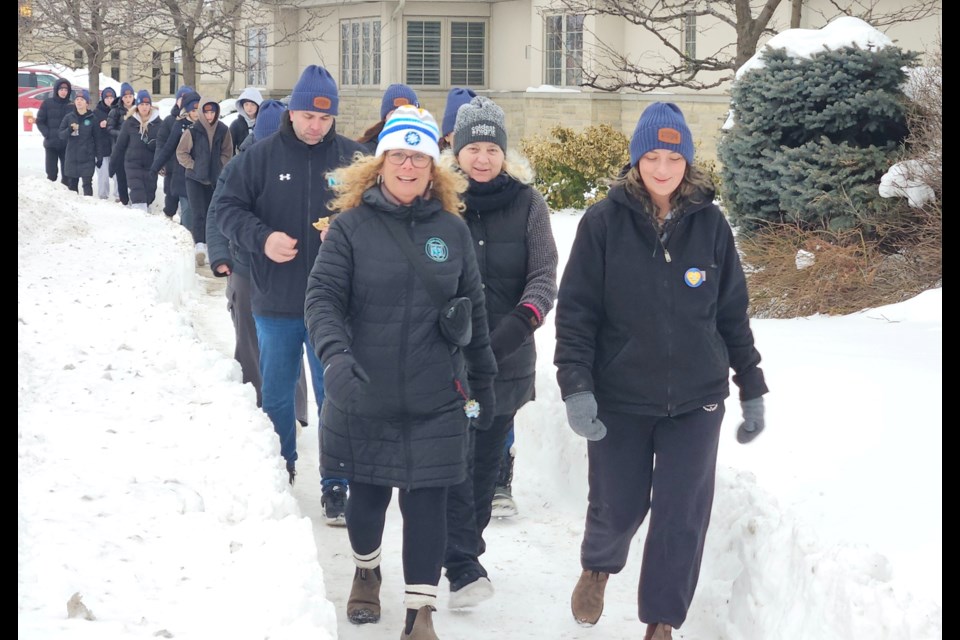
(436, 250)
(694, 277)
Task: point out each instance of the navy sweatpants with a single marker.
(665, 466)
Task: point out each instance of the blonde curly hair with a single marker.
(349, 183)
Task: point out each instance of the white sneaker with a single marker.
(200, 251)
(472, 594)
(503, 505)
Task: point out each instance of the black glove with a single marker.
(341, 377)
(485, 396)
(99, 162)
(582, 416)
(752, 424)
(510, 333)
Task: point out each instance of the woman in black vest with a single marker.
(510, 225)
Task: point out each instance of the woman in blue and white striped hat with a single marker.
(400, 394)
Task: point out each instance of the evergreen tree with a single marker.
(812, 136)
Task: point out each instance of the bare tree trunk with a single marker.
(796, 12)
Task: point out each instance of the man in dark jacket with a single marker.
(168, 168)
(49, 117)
(165, 158)
(270, 201)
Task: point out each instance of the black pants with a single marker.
(122, 187)
(55, 159)
(424, 527)
(170, 204)
(469, 503)
(74, 184)
(199, 196)
(675, 460)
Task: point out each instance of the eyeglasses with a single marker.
(418, 160)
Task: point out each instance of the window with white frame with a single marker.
(690, 34)
(563, 50)
(257, 57)
(360, 52)
(446, 52)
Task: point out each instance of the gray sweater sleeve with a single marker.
(541, 287)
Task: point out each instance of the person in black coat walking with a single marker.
(81, 132)
(49, 117)
(165, 159)
(401, 396)
(104, 142)
(517, 256)
(136, 147)
(169, 167)
(248, 106)
(204, 149)
(651, 317)
(118, 114)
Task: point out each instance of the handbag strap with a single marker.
(406, 245)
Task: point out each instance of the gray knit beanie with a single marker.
(479, 120)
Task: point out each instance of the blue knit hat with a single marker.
(661, 126)
(455, 98)
(191, 101)
(108, 90)
(268, 118)
(316, 90)
(397, 95)
(126, 88)
(143, 96)
(182, 91)
(83, 93)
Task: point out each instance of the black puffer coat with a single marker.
(166, 156)
(50, 115)
(81, 156)
(406, 427)
(136, 149)
(104, 140)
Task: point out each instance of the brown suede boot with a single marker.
(658, 632)
(422, 626)
(364, 603)
(587, 600)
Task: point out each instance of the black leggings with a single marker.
(424, 527)
(199, 195)
(74, 184)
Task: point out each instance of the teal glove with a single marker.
(582, 416)
(752, 424)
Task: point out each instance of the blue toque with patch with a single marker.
(395, 96)
(316, 90)
(661, 126)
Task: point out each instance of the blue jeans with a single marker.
(281, 341)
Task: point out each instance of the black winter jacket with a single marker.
(280, 184)
(208, 156)
(652, 325)
(406, 427)
(104, 140)
(81, 157)
(498, 214)
(50, 116)
(136, 151)
(166, 155)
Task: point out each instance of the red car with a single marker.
(33, 98)
(29, 78)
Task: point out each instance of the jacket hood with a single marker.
(56, 87)
(251, 94)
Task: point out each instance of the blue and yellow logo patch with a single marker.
(436, 250)
(694, 277)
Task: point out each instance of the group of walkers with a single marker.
(414, 267)
(124, 142)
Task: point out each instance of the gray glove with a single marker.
(752, 424)
(582, 416)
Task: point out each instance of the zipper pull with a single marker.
(666, 255)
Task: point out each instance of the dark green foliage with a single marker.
(812, 136)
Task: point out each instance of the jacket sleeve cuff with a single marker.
(751, 383)
(574, 380)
